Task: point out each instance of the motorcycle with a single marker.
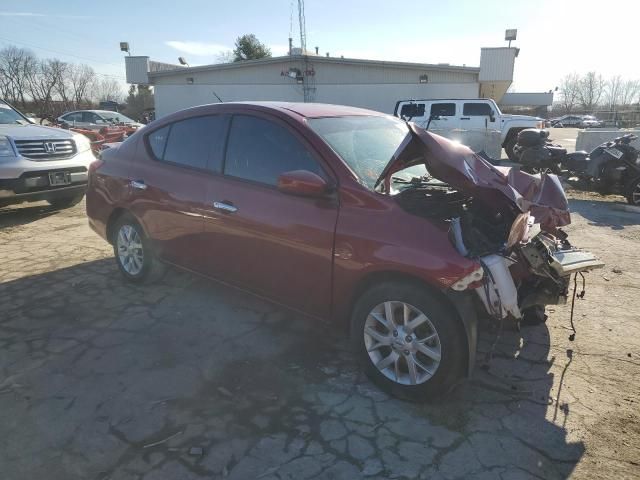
(612, 167)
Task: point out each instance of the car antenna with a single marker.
(219, 99)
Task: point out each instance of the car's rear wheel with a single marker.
(66, 202)
(133, 251)
(407, 340)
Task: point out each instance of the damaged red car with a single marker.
(343, 214)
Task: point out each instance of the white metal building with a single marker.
(373, 84)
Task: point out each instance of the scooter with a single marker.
(612, 167)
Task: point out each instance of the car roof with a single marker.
(92, 111)
(297, 109)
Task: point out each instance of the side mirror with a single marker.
(303, 183)
(492, 116)
(434, 117)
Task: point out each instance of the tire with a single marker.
(393, 349)
(509, 147)
(65, 202)
(134, 253)
(534, 315)
(633, 192)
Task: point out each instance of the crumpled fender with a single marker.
(457, 165)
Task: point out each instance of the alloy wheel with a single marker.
(130, 250)
(635, 195)
(402, 343)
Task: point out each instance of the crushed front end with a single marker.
(506, 220)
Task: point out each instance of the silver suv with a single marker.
(41, 163)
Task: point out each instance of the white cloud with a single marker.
(197, 48)
(279, 49)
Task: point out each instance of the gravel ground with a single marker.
(187, 379)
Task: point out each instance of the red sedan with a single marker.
(344, 214)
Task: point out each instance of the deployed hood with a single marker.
(28, 132)
(542, 195)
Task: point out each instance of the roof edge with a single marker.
(313, 59)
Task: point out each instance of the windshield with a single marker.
(116, 117)
(9, 116)
(366, 144)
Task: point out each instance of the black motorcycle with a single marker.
(612, 167)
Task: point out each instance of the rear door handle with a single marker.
(139, 184)
(225, 207)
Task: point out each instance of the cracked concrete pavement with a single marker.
(187, 379)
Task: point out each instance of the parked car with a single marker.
(40, 163)
(344, 214)
(590, 121)
(97, 119)
(467, 114)
(576, 121)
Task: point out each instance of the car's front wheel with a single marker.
(408, 340)
(133, 252)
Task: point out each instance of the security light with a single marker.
(124, 47)
(183, 61)
(510, 34)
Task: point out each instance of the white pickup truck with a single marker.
(467, 114)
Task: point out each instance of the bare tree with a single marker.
(590, 90)
(106, 89)
(613, 92)
(81, 78)
(226, 56)
(569, 88)
(16, 65)
(630, 92)
(44, 79)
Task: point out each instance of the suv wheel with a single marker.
(65, 202)
(509, 148)
(133, 252)
(407, 341)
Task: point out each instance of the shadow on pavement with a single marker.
(187, 379)
(22, 215)
(600, 213)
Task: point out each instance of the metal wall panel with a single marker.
(381, 97)
(136, 69)
(496, 64)
(325, 73)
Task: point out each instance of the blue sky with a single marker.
(555, 37)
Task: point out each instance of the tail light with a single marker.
(470, 281)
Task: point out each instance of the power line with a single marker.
(10, 42)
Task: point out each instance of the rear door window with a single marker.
(260, 150)
(476, 110)
(195, 142)
(443, 109)
(73, 117)
(158, 140)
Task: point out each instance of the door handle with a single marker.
(139, 184)
(465, 118)
(225, 207)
